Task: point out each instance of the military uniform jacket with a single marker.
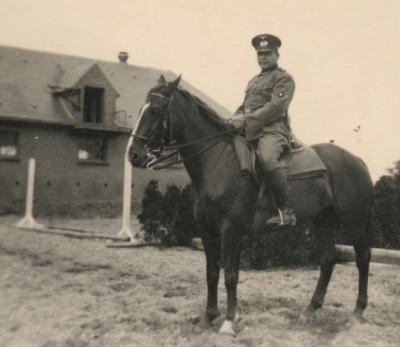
(266, 104)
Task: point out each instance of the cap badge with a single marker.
(263, 43)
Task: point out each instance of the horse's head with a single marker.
(153, 129)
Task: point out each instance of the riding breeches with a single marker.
(269, 148)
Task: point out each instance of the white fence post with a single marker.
(126, 231)
(28, 221)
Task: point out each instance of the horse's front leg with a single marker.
(231, 248)
(212, 248)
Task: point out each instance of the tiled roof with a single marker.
(26, 77)
(71, 77)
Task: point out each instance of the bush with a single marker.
(168, 218)
(171, 222)
(286, 247)
(152, 212)
(385, 219)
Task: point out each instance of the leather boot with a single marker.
(283, 199)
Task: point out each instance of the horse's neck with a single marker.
(210, 171)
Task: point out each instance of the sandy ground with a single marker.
(57, 291)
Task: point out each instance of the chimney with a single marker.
(123, 57)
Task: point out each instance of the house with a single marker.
(74, 115)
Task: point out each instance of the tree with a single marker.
(170, 216)
(152, 211)
(386, 215)
(186, 224)
(395, 173)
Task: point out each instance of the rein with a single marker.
(203, 150)
(187, 144)
(178, 147)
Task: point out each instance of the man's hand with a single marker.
(237, 121)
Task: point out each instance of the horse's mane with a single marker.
(204, 110)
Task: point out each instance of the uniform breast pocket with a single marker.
(265, 93)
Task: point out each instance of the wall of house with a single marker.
(59, 175)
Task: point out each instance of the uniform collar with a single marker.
(267, 71)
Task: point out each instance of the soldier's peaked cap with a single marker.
(266, 42)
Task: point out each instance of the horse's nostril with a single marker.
(133, 155)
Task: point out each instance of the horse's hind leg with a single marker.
(326, 246)
(363, 257)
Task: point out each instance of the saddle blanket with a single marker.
(300, 163)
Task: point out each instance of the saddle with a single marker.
(300, 163)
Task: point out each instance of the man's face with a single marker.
(267, 59)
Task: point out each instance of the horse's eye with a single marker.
(155, 108)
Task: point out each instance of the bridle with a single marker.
(165, 125)
(162, 123)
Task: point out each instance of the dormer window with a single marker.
(93, 105)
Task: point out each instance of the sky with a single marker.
(343, 54)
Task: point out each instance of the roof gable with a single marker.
(70, 78)
(75, 78)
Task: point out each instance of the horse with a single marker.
(226, 200)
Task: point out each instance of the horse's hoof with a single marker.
(358, 315)
(303, 319)
(205, 323)
(351, 322)
(212, 315)
(306, 316)
(355, 319)
(227, 328)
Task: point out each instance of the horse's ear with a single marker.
(174, 84)
(162, 81)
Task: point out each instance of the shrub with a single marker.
(170, 203)
(168, 218)
(186, 223)
(152, 212)
(286, 247)
(385, 221)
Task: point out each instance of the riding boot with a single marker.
(283, 198)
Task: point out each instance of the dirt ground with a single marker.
(57, 291)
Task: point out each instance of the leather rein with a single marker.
(166, 124)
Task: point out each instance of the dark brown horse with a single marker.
(226, 199)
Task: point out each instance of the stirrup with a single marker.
(280, 219)
(280, 216)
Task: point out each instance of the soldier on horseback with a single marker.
(264, 121)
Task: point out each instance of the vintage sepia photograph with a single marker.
(199, 173)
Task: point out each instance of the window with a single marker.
(8, 144)
(93, 105)
(92, 148)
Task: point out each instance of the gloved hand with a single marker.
(237, 121)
